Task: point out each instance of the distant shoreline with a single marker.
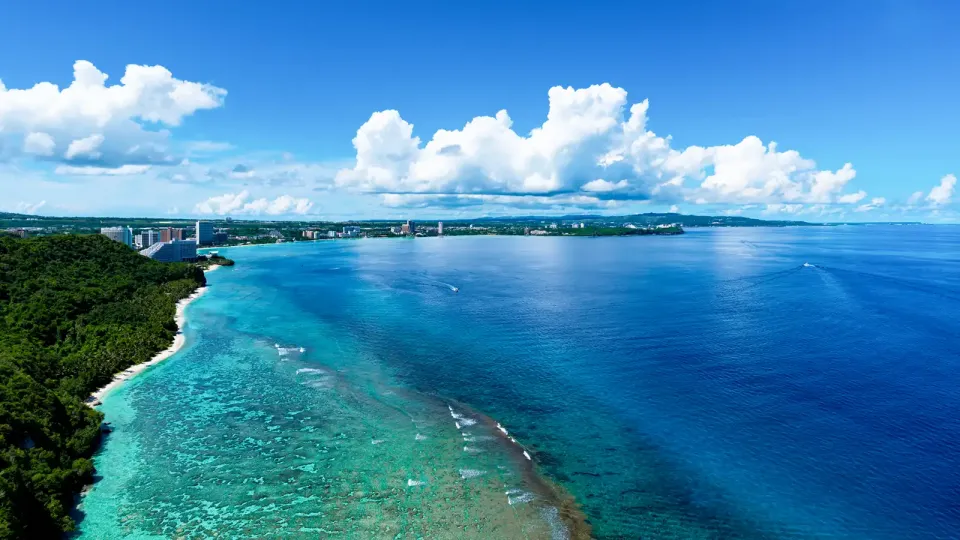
(204, 250)
(96, 398)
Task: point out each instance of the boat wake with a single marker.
(737, 285)
(896, 282)
(453, 288)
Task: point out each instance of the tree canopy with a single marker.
(74, 310)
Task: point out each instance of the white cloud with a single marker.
(123, 170)
(915, 198)
(783, 208)
(223, 204)
(28, 208)
(852, 198)
(240, 203)
(38, 143)
(874, 203)
(590, 143)
(253, 171)
(125, 117)
(85, 147)
(519, 202)
(942, 193)
(208, 147)
(602, 186)
(674, 209)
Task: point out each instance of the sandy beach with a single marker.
(131, 372)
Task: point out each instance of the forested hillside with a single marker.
(74, 310)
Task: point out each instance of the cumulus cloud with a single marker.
(85, 147)
(240, 203)
(591, 143)
(603, 186)
(103, 125)
(943, 193)
(39, 143)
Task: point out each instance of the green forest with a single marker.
(74, 310)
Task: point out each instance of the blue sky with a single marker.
(271, 99)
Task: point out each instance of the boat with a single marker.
(808, 265)
(455, 289)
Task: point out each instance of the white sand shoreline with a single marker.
(178, 340)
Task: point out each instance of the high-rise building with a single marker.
(204, 233)
(439, 228)
(351, 231)
(147, 238)
(220, 237)
(408, 228)
(124, 235)
(169, 233)
(172, 251)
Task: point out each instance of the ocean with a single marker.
(726, 383)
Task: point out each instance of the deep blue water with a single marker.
(707, 385)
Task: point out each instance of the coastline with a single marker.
(179, 339)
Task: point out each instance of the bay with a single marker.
(726, 383)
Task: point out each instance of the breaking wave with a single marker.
(520, 498)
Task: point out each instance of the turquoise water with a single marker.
(703, 386)
(271, 422)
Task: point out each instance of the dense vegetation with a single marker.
(206, 262)
(74, 310)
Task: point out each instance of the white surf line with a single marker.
(466, 421)
(178, 342)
